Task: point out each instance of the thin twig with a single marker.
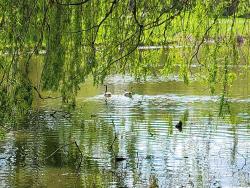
(111, 146)
(72, 4)
(156, 22)
(41, 97)
(202, 41)
(127, 54)
(53, 153)
(245, 160)
(101, 22)
(135, 15)
(105, 17)
(79, 165)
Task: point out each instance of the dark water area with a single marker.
(133, 142)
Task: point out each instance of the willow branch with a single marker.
(111, 146)
(79, 165)
(41, 97)
(127, 54)
(156, 22)
(40, 40)
(101, 22)
(202, 41)
(54, 152)
(72, 4)
(105, 17)
(135, 15)
(62, 146)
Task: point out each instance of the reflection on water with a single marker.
(132, 142)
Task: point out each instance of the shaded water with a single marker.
(209, 152)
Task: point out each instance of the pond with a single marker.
(133, 142)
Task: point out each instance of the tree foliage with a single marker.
(81, 38)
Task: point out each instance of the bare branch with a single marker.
(54, 152)
(105, 17)
(101, 22)
(111, 146)
(79, 165)
(156, 22)
(202, 41)
(135, 15)
(41, 97)
(127, 54)
(62, 146)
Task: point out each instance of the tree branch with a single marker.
(127, 54)
(79, 165)
(41, 97)
(135, 15)
(202, 41)
(62, 146)
(101, 22)
(72, 4)
(156, 22)
(105, 17)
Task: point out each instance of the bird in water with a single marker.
(107, 94)
(118, 158)
(128, 94)
(179, 126)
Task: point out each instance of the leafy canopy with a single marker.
(81, 38)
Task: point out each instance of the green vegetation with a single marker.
(96, 38)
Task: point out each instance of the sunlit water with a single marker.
(210, 151)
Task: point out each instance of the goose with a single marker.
(128, 94)
(107, 94)
(179, 126)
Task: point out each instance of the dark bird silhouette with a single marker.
(179, 126)
(107, 94)
(118, 159)
(93, 115)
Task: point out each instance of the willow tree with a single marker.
(81, 38)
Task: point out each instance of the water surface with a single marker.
(210, 151)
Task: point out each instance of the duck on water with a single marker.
(179, 126)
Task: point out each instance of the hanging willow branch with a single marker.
(156, 23)
(72, 4)
(41, 97)
(127, 54)
(195, 55)
(105, 17)
(97, 27)
(85, 38)
(63, 146)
